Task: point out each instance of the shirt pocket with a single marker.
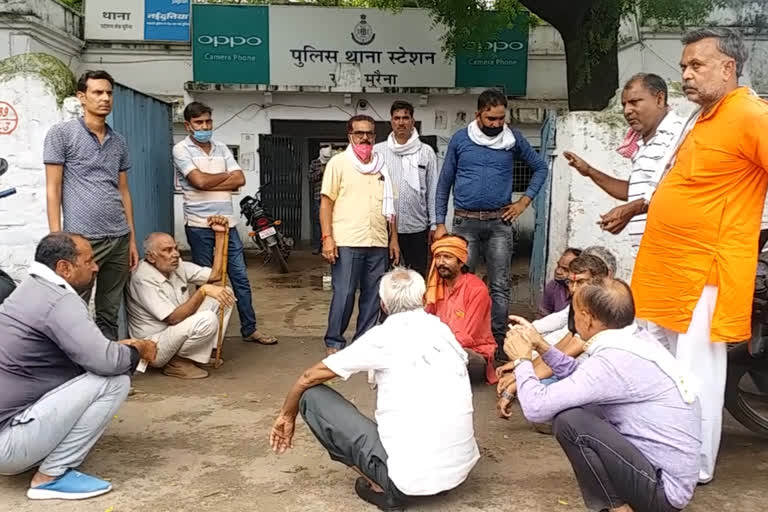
(711, 161)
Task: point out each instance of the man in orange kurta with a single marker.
(695, 272)
(461, 300)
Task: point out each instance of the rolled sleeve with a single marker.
(196, 274)
(365, 354)
(182, 160)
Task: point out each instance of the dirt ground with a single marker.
(202, 445)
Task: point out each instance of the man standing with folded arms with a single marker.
(86, 172)
(479, 167)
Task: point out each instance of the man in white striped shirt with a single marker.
(654, 131)
(413, 167)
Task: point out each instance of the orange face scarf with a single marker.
(435, 284)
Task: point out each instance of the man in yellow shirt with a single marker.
(356, 208)
(695, 271)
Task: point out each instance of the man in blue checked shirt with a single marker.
(479, 165)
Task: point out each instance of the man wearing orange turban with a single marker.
(462, 302)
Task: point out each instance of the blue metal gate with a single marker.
(147, 126)
(542, 205)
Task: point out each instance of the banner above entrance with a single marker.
(347, 48)
(386, 49)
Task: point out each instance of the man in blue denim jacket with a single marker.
(479, 166)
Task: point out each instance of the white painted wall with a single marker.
(576, 201)
(23, 219)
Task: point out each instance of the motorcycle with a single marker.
(266, 235)
(746, 388)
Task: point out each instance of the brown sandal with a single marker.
(261, 339)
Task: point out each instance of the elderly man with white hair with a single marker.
(162, 308)
(423, 441)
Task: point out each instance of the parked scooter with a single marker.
(746, 389)
(266, 235)
(7, 285)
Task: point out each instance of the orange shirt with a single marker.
(704, 221)
(466, 309)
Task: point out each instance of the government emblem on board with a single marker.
(363, 33)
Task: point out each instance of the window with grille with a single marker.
(521, 175)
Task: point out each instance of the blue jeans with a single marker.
(356, 267)
(491, 240)
(201, 241)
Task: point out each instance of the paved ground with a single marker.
(202, 446)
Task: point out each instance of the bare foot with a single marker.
(41, 478)
(331, 350)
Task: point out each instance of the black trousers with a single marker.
(414, 250)
(611, 472)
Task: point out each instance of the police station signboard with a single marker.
(313, 46)
(137, 20)
(391, 50)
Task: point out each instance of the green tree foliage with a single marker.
(589, 29)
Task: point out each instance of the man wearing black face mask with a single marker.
(478, 166)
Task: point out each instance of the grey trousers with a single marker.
(350, 437)
(113, 256)
(610, 471)
(57, 432)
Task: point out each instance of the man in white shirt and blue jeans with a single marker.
(423, 440)
(209, 175)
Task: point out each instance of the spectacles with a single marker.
(360, 135)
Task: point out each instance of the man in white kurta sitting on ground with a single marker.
(161, 307)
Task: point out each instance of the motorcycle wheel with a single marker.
(745, 395)
(277, 253)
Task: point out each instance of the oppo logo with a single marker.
(230, 41)
(494, 46)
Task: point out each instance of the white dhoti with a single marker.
(193, 338)
(708, 362)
